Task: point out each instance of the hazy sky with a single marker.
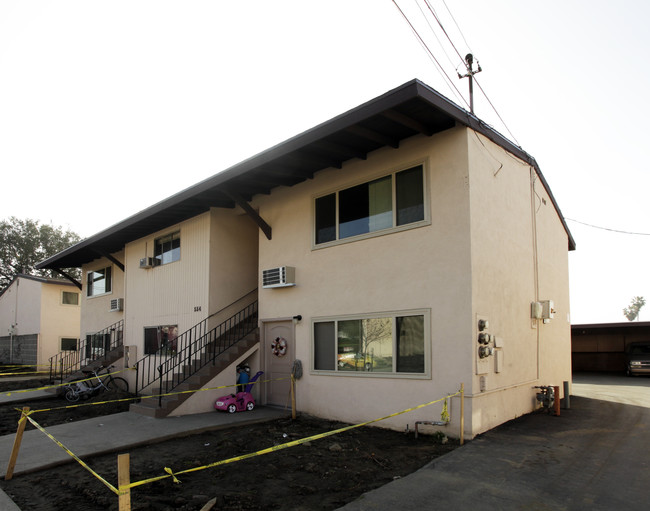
(107, 107)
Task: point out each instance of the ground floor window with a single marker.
(383, 343)
(160, 340)
(68, 344)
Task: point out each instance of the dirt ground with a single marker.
(323, 474)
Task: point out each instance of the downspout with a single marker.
(533, 211)
(13, 327)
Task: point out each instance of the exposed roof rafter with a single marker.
(410, 109)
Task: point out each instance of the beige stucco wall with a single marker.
(36, 307)
(422, 268)
(519, 255)
(57, 320)
(475, 257)
(96, 313)
(233, 257)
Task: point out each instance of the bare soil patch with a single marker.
(322, 474)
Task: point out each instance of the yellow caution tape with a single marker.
(24, 373)
(281, 446)
(66, 384)
(169, 473)
(74, 456)
(134, 398)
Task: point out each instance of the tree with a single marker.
(632, 312)
(25, 243)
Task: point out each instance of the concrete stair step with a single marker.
(183, 383)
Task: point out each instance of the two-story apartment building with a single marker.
(397, 251)
(39, 317)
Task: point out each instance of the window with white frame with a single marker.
(390, 202)
(98, 282)
(69, 298)
(168, 248)
(393, 343)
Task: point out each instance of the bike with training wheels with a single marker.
(94, 383)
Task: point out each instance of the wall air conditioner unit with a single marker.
(117, 304)
(146, 262)
(284, 276)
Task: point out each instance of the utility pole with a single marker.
(469, 58)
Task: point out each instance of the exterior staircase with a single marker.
(200, 354)
(158, 408)
(97, 350)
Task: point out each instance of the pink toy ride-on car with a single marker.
(238, 402)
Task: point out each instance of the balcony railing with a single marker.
(193, 350)
(93, 347)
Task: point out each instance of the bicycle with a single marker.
(77, 390)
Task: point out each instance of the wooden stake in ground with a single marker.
(123, 480)
(462, 413)
(293, 396)
(19, 438)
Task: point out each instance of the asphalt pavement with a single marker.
(594, 456)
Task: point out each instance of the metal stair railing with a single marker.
(93, 347)
(193, 349)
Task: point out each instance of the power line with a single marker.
(430, 53)
(443, 30)
(607, 228)
(434, 33)
(458, 27)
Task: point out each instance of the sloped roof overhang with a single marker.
(410, 109)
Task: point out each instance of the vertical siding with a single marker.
(171, 294)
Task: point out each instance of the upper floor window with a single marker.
(168, 248)
(70, 298)
(99, 282)
(385, 203)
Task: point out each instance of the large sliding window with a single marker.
(384, 343)
(391, 201)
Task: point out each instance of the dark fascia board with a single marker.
(626, 325)
(36, 278)
(399, 95)
(471, 121)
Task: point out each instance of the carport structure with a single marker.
(601, 346)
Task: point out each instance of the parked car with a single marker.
(637, 358)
